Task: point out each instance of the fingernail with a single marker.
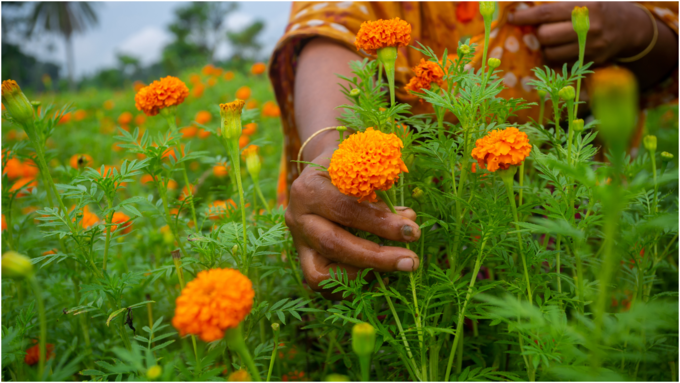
(407, 231)
(405, 264)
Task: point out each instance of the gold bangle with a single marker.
(651, 45)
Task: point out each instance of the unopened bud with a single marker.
(176, 254)
(234, 250)
(15, 265)
(417, 193)
(275, 327)
(463, 50)
(650, 142)
(487, 8)
(355, 92)
(253, 163)
(230, 114)
(337, 378)
(567, 93)
(542, 93)
(494, 63)
(154, 372)
(577, 125)
(666, 155)
(580, 20)
(363, 339)
(615, 103)
(16, 103)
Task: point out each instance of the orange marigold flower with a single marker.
(89, 218)
(203, 117)
(243, 93)
(208, 69)
(270, 109)
(123, 220)
(109, 104)
(217, 300)
(427, 72)
(194, 78)
(203, 134)
(243, 141)
(249, 129)
(198, 90)
(252, 149)
(366, 162)
(258, 68)
(501, 148)
(185, 192)
(172, 152)
(217, 72)
(172, 185)
(79, 115)
(29, 169)
(33, 354)
(212, 81)
(137, 85)
(79, 161)
(14, 168)
(238, 376)
(374, 35)
(49, 252)
(221, 209)
(28, 182)
(4, 223)
(109, 173)
(229, 75)
(160, 94)
(125, 118)
(65, 118)
(140, 119)
(220, 170)
(189, 131)
(252, 104)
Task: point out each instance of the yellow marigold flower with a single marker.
(366, 162)
(161, 94)
(374, 35)
(217, 300)
(501, 148)
(427, 72)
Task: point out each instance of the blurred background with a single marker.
(78, 45)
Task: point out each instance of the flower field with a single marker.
(142, 237)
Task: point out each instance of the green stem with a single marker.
(232, 148)
(521, 183)
(171, 223)
(259, 193)
(541, 110)
(235, 341)
(556, 115)
(570, 138)
(507, 179)
(581, 53)
(365, 363)
(109, 219)
(652, 155)
(190, 193)
(388, 201)
(273, 358)
(43, 325)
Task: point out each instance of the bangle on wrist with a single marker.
(310, 139)
(651, 44)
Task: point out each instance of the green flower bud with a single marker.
(16, 103)
(230, 114)
(615, 104)
(577, 125)
(355, 92)
(363, 339)
(487, 8)
(463, 50)
(337, 378)
(542, 93)
(154, 372)
(253, 163)
(275, 327)
(417, 193)
(15, 265)
(234, 250)
(666, 155)
(567, 93)
(341, 129)
(494, 63)
(650, 142)
(580, 20)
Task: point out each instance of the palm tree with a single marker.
(64, 18)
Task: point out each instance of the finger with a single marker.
(336, 244)
(547, 13)
(563, 53)
(316, 269)
(374, 218)
(556, 34)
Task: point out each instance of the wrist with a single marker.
(322, 148)
(637, 39)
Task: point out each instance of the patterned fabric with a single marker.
(439, 25)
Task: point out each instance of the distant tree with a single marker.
(64, 18)
(244, 42)
(128, 64)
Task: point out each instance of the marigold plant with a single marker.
(501, 149)
(427, 73)
(374, 35)
(168, 91)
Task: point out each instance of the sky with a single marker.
(139, 29)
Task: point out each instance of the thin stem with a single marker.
(507, 179)
(273, 358)
(109, 219)
(264, 201)
(388, 201)
(232, 149)
(43, 325)
(541, 110)
(521, 183)
(190, 194)
(581, 53)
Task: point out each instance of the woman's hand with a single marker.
(617, 30)
(318, 215)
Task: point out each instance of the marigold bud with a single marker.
(580, 20)
(176, 254)
(463, 50)
(577, 125)
(355, 92)
(666, 155)
(615, 103)
(275, 327)
(494, 63)
(154, 372)
(253, 163)
(487, 8)
(15, 265)
(341, 129)
(16, 102)
(363, 339)
(650, 142)
(542, 93)
(567, 93)
(417, 193)
(337, 378)
(231, 119)
(234, 250)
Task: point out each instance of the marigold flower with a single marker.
(229, 75)
(140, 119)
(123, 221)
(243, 93)
(252, 104)
(501, 148)
(194, 78)
(65, 118)
(185, 192)
(161, 94)
(125, 118)
(374, 35)
(217, 300)
(14, 168)
(29, 169)
(15, 101)
(109, 104)
(220, 170)
(89, 218)
(189, 131)
(249, 129)
(221, 209)
(230, 114)
(427, 72)
(203, 134)
(366, 162)
(203, 117)
(172, 152)
(79, 115)
(33, 354)
(212, 81)
(258, 68)
(79, 161)
(4, 223)
(270, 109)
(137, 85)
(208, 69)
(49, 252)
(28, 182)
(239, 376)
(197, 90)
(243, 141)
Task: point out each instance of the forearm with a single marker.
(658, 63)
(318, 94)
